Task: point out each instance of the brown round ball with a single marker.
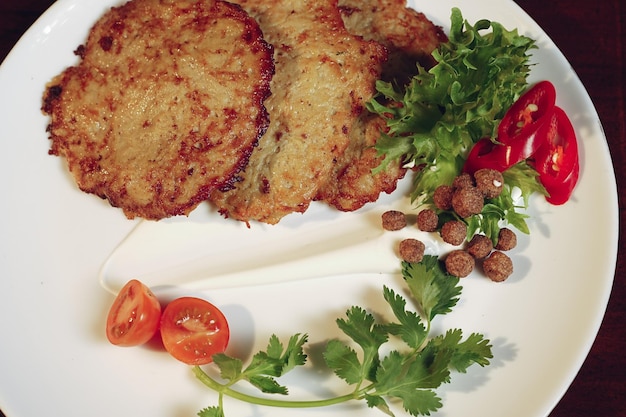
(442, 197)
(467, 201)
(498, 266)
(480, 246)
(427, 220)
(393, 220)
(454, 232)
(463, 180)
(459, 263)
(412, 250)
(489, 182)
(507, 239)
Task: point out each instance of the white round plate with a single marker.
(54, 357)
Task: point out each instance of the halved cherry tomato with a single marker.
(193, 330)
(518, 132)
(557, 160)
(134, 316)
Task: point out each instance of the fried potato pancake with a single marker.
(408, 34)
(324, 76)
(165, 105)
(409, 37)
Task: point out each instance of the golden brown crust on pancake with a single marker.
(165, 106)
(353, 184)
(408, 34)
(324, 76)
(410, 37)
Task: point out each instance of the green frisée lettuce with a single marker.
(435, 120)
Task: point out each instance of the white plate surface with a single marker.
(54, 358)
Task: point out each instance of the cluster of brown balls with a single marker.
(466, 197)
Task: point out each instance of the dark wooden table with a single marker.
(592, 38)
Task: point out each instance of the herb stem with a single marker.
(225, 390)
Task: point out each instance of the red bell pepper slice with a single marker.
(534, 129)
(485, 154)
(518, 137)
(519, 126)
(557, 160)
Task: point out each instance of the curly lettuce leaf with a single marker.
(435, 119)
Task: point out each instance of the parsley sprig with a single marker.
(409, 374)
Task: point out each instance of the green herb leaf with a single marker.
(409, 376)
(411, 381)
(267, 384)
(292, 356)
(264, 364)
(361, 327)
(376, 401)
(277, 360)
(434, 289)
(476, 349)
(211, 412)
(410, 327)
(344, 361)
(418, 402)
(230, 368)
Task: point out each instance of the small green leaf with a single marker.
(474, 350)
(211, 412)
(435, 290)
(410, 327)
(274, 347)
(376, 401)
(411, 380)
(263, 364)
(277, 360)
(230, 368)
(391, 373)
(419, 402)
(343, 361)
(361, 327)
(294, 353)
(268, 385)
(431, 367)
